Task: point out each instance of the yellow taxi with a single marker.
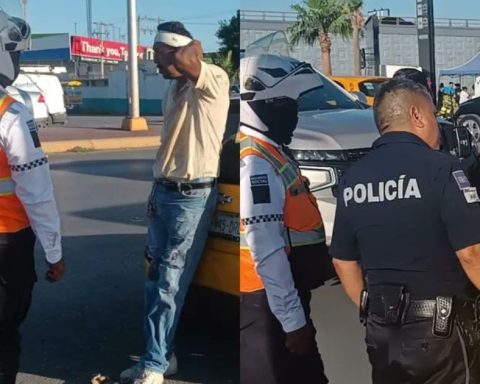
(214, 295)
(366, 85)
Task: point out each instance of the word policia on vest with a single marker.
(385, 190)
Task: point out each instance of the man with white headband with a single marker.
(184, 194)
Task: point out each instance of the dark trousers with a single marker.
(17, 277)
(264, 359)
(410, 354)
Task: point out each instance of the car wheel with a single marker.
(472, 122)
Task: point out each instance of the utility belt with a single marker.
(391, 305)
(181, 186)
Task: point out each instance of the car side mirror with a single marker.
(360, 96)
(463, 141)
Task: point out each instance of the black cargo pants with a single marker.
(17, 277)
(264, 359)
(410, 354)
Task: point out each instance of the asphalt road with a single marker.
(91, 322)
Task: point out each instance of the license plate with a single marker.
(226, 225)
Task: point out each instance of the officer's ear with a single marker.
(416, 116)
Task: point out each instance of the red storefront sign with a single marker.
(86, 47)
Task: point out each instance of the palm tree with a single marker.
(317, 19)
(353, 10)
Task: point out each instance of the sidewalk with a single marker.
(88, 133)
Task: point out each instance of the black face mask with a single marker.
(280, 116)
(4, 80)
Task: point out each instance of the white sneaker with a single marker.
(149, 377)
(172, 366)
(130, 374)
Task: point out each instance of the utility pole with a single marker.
(133, 122)
(25, 10)
(89, 18)
(102, 33)
(426, 42)
(150, 30)
(102, 62)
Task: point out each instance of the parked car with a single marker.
(367, 85)
(334, 130)
(35, 101)
(468, 115)
(219, 266)
(51, 88)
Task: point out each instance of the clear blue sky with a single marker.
(201, 17)
(443, 8)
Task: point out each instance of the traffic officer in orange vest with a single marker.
(27, 205)
(283, 253)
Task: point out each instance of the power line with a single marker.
(144, 30)
(209, 15)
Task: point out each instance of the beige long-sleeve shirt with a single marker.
(195, 117)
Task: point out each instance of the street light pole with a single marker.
(133, 122)
(25, 10)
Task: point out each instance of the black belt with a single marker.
(422, 308)
(184, 186)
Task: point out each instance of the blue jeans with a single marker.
(177, 231)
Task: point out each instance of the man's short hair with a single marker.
(389, 105)
(412, 74)
(174, 27)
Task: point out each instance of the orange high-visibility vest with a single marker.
(302, 219)
(13, 217)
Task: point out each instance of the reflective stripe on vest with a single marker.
(293, 238)
(7, 186)
(13, 217)
(284, 169)
(300, 229)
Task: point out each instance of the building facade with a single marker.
(385, 41)
(82, 57)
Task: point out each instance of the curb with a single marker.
(100, 144)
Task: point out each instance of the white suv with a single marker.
(35, 101)
(334, 130)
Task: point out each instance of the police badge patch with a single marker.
(260, 189)
(470, 193)
(32, 127)
(461, 179)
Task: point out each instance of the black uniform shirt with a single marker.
(402, 212)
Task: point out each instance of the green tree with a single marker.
(225, 61)
(316, 21)
(228, 34)
(353, 10)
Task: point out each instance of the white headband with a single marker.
(172, 39)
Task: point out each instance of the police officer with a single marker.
(406, 231)
(283, 252)
(27, 204)
(450, 135)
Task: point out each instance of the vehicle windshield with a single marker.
(327, 97)
(370, 87)
(13, 8)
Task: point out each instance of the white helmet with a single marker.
(269, 81)
(14, 38)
